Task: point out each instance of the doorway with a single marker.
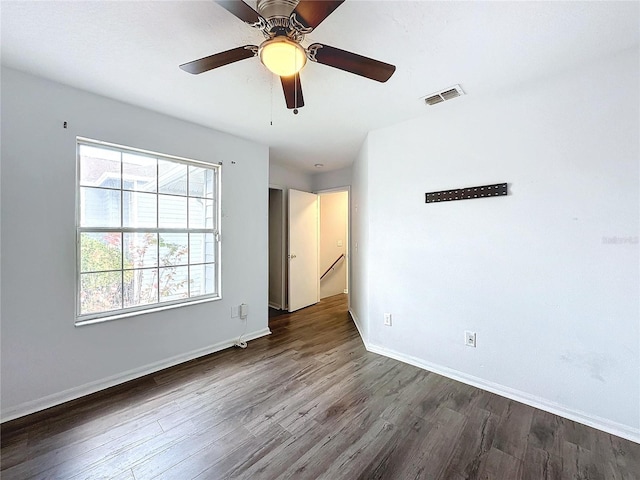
(334, 243)
(331, 275)
(277, 249)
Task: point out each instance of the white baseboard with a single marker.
(599, 423)
(275, 305)
(33, 406)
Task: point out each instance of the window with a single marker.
(147, 231)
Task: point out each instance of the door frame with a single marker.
(345, 188)
(283, 247)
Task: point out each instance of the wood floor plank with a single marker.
(91, 435)
(472, 448)
(350, 395)
(66, 463)
(316, 460)
(243, 458)
(578, 463)
(605, 456)
(175, 444)
(541, 465)
(627, 456)
(425, 450)
(492, 403)
(324, 405)
(513, 432)
(295, 402)
(304, 403)
(499, 465)
(192, 455)
(191, 463)
(14, 450)
(363, 452)
(275, 463)
(125, 475)
(546, 432)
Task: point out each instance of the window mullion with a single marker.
(121, 233)
(188, 236)
(144, 230)
(158, 227)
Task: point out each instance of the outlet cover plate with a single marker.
(470, 339)
(387, 319)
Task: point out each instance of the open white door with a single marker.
(303, 249)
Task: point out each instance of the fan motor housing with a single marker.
(270, 9)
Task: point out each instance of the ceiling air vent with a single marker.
(446, 94)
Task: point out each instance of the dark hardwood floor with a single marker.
(308, 402)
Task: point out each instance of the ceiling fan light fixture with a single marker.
(282, 56)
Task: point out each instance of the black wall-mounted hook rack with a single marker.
(483, 191)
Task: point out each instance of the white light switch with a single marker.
(339, 243)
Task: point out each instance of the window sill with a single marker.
(135, 313)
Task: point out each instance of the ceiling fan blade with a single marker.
(241, 10)
(220, 59)
(311, 13)
(350, 62)
(292, 91)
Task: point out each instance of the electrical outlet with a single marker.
(387, 319)
(470, 339)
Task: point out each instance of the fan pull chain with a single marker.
(296, 80)
(295, 94)
(271, 102)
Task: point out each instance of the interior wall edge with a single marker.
(356, 322)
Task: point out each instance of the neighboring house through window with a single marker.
(147, 231)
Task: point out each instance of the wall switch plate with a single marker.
(234, 312)
(387, 319)
(339, 243)
(470, 339)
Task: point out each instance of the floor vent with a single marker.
(446, 94)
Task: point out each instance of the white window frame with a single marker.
(86, 319)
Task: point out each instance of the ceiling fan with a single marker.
(284, 24)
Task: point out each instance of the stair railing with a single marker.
(332, 265)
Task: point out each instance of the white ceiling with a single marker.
(130, 51)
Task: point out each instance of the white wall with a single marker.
(359, 242)
(553, 299)
(333, 242)
(285, 177)
(45, 358)
(331, 179)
